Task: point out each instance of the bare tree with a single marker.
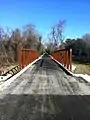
(30, 36)
(10, 40)
(3, 52)
(56, 35)
(15, 40)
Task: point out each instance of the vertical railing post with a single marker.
(20, 56)
(67, 59)
(64, 58)
(24, 58)
(70, 59)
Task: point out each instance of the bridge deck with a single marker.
(45, 92)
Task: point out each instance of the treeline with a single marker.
(80, 46)
(56, 41)
(12, 40)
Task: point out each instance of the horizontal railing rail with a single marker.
(12, 71)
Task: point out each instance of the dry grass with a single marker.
(82, 68)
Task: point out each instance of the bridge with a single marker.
(45, 90)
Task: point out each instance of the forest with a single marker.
(11, 40)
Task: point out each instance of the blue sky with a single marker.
(45, 13)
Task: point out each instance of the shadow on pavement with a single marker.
(44, 107)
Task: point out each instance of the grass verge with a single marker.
(82, 68)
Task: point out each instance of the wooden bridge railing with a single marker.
(12, 71)
(64, 56)
(26, 56)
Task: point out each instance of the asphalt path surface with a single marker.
(46, 92)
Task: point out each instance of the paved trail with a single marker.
(46, 92)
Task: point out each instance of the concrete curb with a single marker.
(69, 72)
(65, 69)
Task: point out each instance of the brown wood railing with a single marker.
(26, 56)
(64, 56)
